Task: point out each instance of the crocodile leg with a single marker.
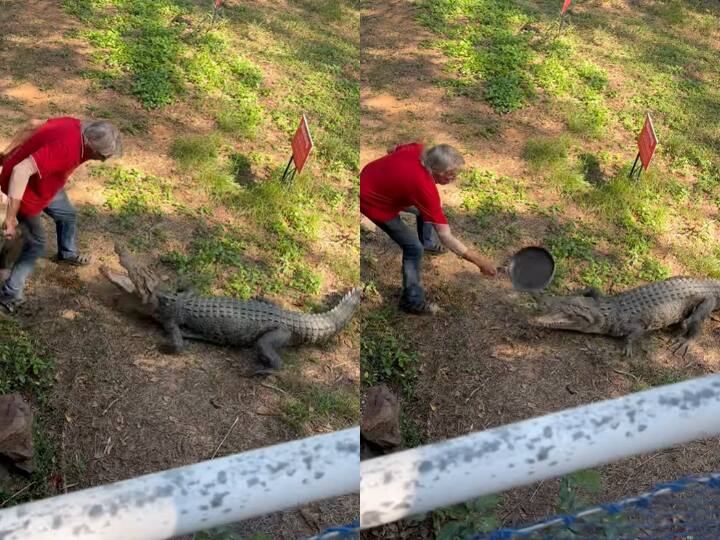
(691, 326)
(175, 342)
(591, 292)
(636, 333)
(187, 334)
(266, 349)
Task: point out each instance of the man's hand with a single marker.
(485, 265)
(9, 229)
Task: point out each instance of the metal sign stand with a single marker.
(636, 170)
(290, 170)
(216, 8)
(564, 9)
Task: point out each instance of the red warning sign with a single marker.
(647, 141)
(301, 144)
(217, 4)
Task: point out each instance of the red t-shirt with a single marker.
(396, 181)
(57, 148)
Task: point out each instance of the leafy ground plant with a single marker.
(24, 365)
(223, 533)
(464, 520)
(384, 357)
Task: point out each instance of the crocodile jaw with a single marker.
(580, 314)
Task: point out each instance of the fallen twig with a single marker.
(472, 394)
(16, 494)
(113, 402)
(309, 519)
(621, 372)
(273, 387)
(536, 490)
(237, 419)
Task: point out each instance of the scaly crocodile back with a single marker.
(662, 303)
(228, 321)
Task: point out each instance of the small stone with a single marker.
(16, 441)
(262, 410)
(380, 422)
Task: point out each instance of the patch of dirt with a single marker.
(481, 366)
(123, 408)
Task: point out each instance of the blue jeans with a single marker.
(413, 296)
(64, 215)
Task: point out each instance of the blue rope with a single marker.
(612, 509)
(346, 531)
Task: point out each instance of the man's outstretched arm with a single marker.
(485, 265)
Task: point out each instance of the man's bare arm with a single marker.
(485, 265)
(19, 178)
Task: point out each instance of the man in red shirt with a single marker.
(35, 168)
(405, 180)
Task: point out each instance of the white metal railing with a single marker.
(200, 496)
(422, 479)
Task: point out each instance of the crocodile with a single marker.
(227, 321)
(683, 301)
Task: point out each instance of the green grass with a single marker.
(223, 533)
(570, 180)
(136, 203)
(161, 51)
(25, 366)
(632, 204)
(217, 262)
(495, 204)
(544, 152)
(195, 151)
(588, 119)
(589, 256)
(308, 405)
(384, 355)
(649, 376)
(502, 53)
(131, 193)
(490, 57)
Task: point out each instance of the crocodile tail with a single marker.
(320, 327)
(345, 308)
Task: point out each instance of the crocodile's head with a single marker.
(139, 284)
(579, 313)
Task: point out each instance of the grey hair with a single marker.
(103, 137)
(441, 159)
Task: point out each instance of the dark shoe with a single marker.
(74, 260)
(10, 304)
(427, 308)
